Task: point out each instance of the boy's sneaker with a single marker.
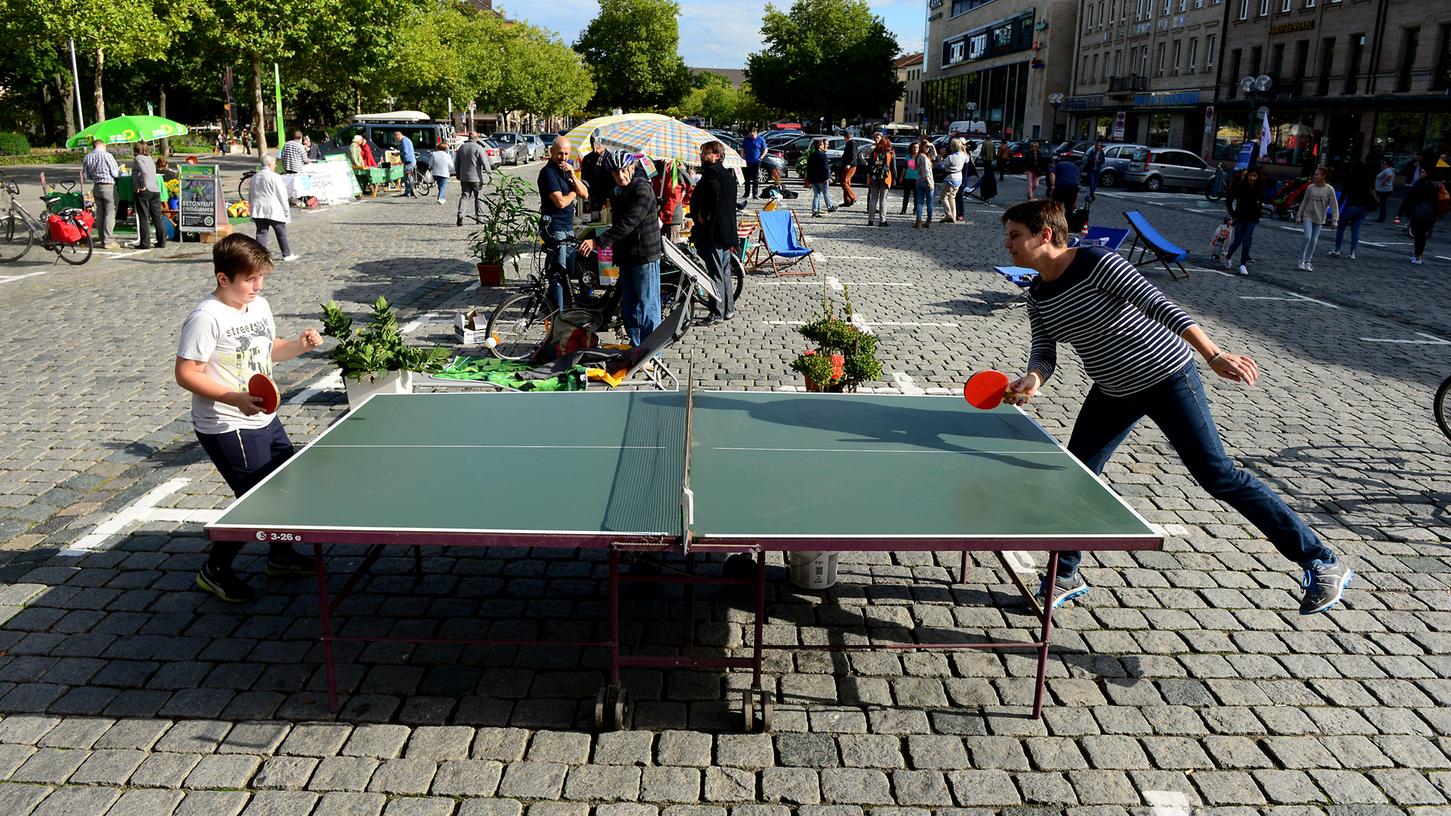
(224, 584)
(290, 563)
(1324, 584)
(1070, 587)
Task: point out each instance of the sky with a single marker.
(713, 33)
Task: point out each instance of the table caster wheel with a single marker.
(739, 566)
(612, 708)
(757, 709)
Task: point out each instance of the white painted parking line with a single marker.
(135, 512)
(1167, 803)
(1430, 340)
(1441, 257)
(9, 278)
(824, 257)
(332, 382)
(1291, 298)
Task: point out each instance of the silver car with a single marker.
(1155, 168)
(513, 148)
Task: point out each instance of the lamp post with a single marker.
(971, 108)
(1257, 90)
(1055, 99)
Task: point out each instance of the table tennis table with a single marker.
(685, 473)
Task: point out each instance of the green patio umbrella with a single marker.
(124, 129)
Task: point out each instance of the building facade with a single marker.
(1351, 79)
(908, 110)
(1145, 72)
(999, 61)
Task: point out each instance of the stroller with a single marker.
(1283, 200)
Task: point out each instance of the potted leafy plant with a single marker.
(845, 356)
(375, 359)
(508, 219)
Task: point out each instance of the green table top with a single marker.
(769, 469)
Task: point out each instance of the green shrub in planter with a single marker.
(14, 144)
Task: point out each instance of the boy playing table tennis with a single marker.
(1138, 348)
(226, 339)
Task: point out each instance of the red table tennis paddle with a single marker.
(262, 387)
(986, 389)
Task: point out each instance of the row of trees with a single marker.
(337, 58)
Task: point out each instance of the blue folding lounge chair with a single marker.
(1165, 251)
(781, 237)
(1107, 237)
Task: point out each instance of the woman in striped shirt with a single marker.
(1138, 348)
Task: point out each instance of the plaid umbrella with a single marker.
(579, 136)
(124, 129)
(663, 139)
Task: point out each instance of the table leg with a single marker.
(325, 626)
(614, 616)
(963, 579)
(1050, 589)
(687, 634)
(757, 661)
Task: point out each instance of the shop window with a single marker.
(1411, 42)
(1159, 129)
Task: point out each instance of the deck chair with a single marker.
(781, 237)
(693, 275)
(1148, 241)
(642, 364)
(1021, 277)
(1107, 237)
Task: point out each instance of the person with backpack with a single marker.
(879, 179)
(1243, 200)
(1359, 201)
(1421, 209)
(909, 177)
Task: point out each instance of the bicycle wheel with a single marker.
(1442, 407)
(518, 326)
(77, 253)
(423, 185)
(738, 273)
(15, 237)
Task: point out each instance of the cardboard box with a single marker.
(468, 328)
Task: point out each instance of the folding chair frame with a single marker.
(755, 262)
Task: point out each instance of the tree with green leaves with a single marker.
(632, 47)
(260, 33)
(826, 58)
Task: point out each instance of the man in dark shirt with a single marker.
(1063, 183)
(559, 188)
(595, 177)
(713, 208)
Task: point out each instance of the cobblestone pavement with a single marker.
(1184, 683)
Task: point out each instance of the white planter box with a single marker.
(394, 382)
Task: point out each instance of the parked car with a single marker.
(1072, 150)
(492, 152)
(514, 147)
(1159, 167)
(1116, 161)
(1018, 150)
(378, 130)
(538, 148)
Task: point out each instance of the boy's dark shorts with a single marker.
(245, 457)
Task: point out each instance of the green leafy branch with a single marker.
(378, 346)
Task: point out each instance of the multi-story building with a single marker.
(999, 61)
(1350, 79)
(908, 110)
(1145, 71)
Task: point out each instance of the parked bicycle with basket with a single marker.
(67, 233)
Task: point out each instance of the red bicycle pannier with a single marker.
(70, 226)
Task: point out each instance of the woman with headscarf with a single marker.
(634, 234)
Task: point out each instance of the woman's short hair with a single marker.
(1037, 214)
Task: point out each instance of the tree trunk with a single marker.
(66, 92)
(97, 94)
(165, 143)
(259, 114)
(357, 100)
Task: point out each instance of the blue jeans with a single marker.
(1312, 234)
(1177, 405)
(922, 197)
(557, 256)
(442, 182)
(640, 298)
(752, 177)
(408, 172)
(820, 191)
(1350, 217)
(1244, 235)
(1092, 184)
(718, 264)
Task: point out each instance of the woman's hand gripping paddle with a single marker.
(986, 389)
(262, 387)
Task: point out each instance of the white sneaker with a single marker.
(440, 202)
(1309, 267)
(1300, 266)
(1416, 261)
(1243, 270)
(294, 256)
(1352, 256)
(1335, 253)
(1228, 264)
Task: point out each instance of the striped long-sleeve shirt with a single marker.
(294, 156)
(1124, 329)
(100, 167)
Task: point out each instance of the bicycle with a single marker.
(1217, 186)
(19, 230)
(1441, 407)
(244, 186)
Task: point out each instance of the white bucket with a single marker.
(812, 570)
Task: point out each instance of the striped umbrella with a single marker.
(579, 136)
(663, 139)
(123, 129)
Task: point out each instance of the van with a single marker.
(965, 126)
(378, 130)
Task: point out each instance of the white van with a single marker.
(963, 127)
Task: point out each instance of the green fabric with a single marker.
(505, 373)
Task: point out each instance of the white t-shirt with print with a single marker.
(235, 344)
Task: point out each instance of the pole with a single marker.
(76, 78)
(277, 86)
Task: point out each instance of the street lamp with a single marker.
(1257, 90)
(1055, 99)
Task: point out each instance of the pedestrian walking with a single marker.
(850, 158)
(635, 235)
(1244, 200)
(987, 189)
(1420, 208)
(270, 210)
(879, 179)
(713, 211)
(1005, 153)
(1359, 200)
(228, 338)
(1032, 165)
(753, 148)
(146, 187)
(441, 167)
(100, 167)
(818, 175)
(1093, 163)
(471, 167)
(409, 157)
(1138, 349)
(969, 170)
(1385, 184)
(923, 186)
(1317, 207)
(909, 178)
(952, 168)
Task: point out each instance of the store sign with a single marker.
(1166, 100)
(1085, 102)
(1003, 37)
(202, 207)
(1118, 126)
(977, 46)
(1286, 28)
